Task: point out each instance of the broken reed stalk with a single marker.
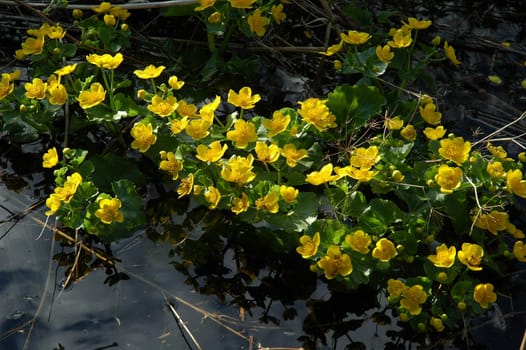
(128, 6)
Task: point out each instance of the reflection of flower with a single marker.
(412, 298)
(471, 256)
(448, 178)
(484, 295)
(359, 241)
(50, 158)
(244, 99)
(143, 135)
(384, 250)
(109, 210)
(519, 251)
(309, 246)
(335, 263)
(444, 257)
(455, 150)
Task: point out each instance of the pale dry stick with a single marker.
(181, 323)
(496, 132)
(523, 343)
(128, 6)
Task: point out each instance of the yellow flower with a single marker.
(437, 324)
(495, 170)
(238, 169)
(53, 202)
(450, 53)
(359, 241)
(186, 109)
(71, 184)
(52, 32)
(384, 53)
(317, 178)
(401, 38)
(171, 164)
(292, 154)
(265, 153)
(337, 65)
(309, 246)
(50, 158)
(33, 46)
(333, 49)
(163, 107)
(244, 99)
(204, 4)
(288, 193)
(494, 221)
(66, 70)
(412, 299)
(207, 111)
(394, 123)
(414, 23)
(92, 97)
(365, 158)
(109, 210)
(77, 13)
(384, 250)
(149, 72)
(519, 251)
(515, 184)
(178, 125)
(211, 153)
(314, 111)
(429, 114)
(106, 61)
(175, 83)
(109, 20)
(186, 186)
(269, 202)
(455, 150)
(277, 124)
(143, 136)
(277, 13)
(471, 256)
(240, 204)
(362, 175)
(103, 7)
(257, 23)
(120, 13)
(514, 231)
(56, 92)
(6, 86)
(435, 133)
(484, 294)
(397, 176)
(436, 40)
(395, 288)
(408, 133)
(444, 257)
(354, 37)
(448, 178)
(243, 133)
(242, 4)
(212, 196)
(198, 129)
(215, 18)
(36, 89)
(335, 263)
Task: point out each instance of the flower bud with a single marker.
(215, 18)
(109, 20)
(461, 306)
(522, 157)
(442, 276)
(141, 93)
(77, 14)
(124, 27)
(23, 108)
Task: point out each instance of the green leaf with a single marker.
(460, 289)
(69, 50)
(126, 103)
(301, 217)
(355, 105)
(110, 168)
(178, 11)
(379, 215)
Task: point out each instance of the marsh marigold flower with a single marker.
(36, 89)
(484, 294)
(314, 111)
(395, 288)
(109, 20)
(325, 175)
(207, 111)
(354, 37)
(448, 178)
(494, 221)
(401, 38)
(471, 256)
(437, 324)
(104, 7)
(365, 158)
(429, 113)
(143, 137)
(435, 133)
(455, 150)
(384, 250)
(335, 263)
(515, 184)
(56, 92)
(244, 99)
(178, 125)
(240, 204)
(211, 153)
(170, 164)
(242, 4)
(238, 169)
(333, 49)
(292, 154)
(412, 299)
(149, 72)
(495, 170)
(497, 151)
(414, 23)
(266, 153)
(175, 83)
(212, 196)
(92, 97)
(6, 86)
(408, 133)
(186, 109)
(269, 202)
(384, 53)
(163, 107)
(277, 124)
(186, 186)
(257, 23)
(288, 193)
(66, 70)
(277, 13)
(362, 175)
(244, 132)
(50, 158)
(394, 123)
(309, 245)
(444, 257)
(198, 129)
(204, 4)
(359, 241)
(32, 46)
(215, 18)
(519, 251)
(109, 210)
(449, 51)
(106, 61)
